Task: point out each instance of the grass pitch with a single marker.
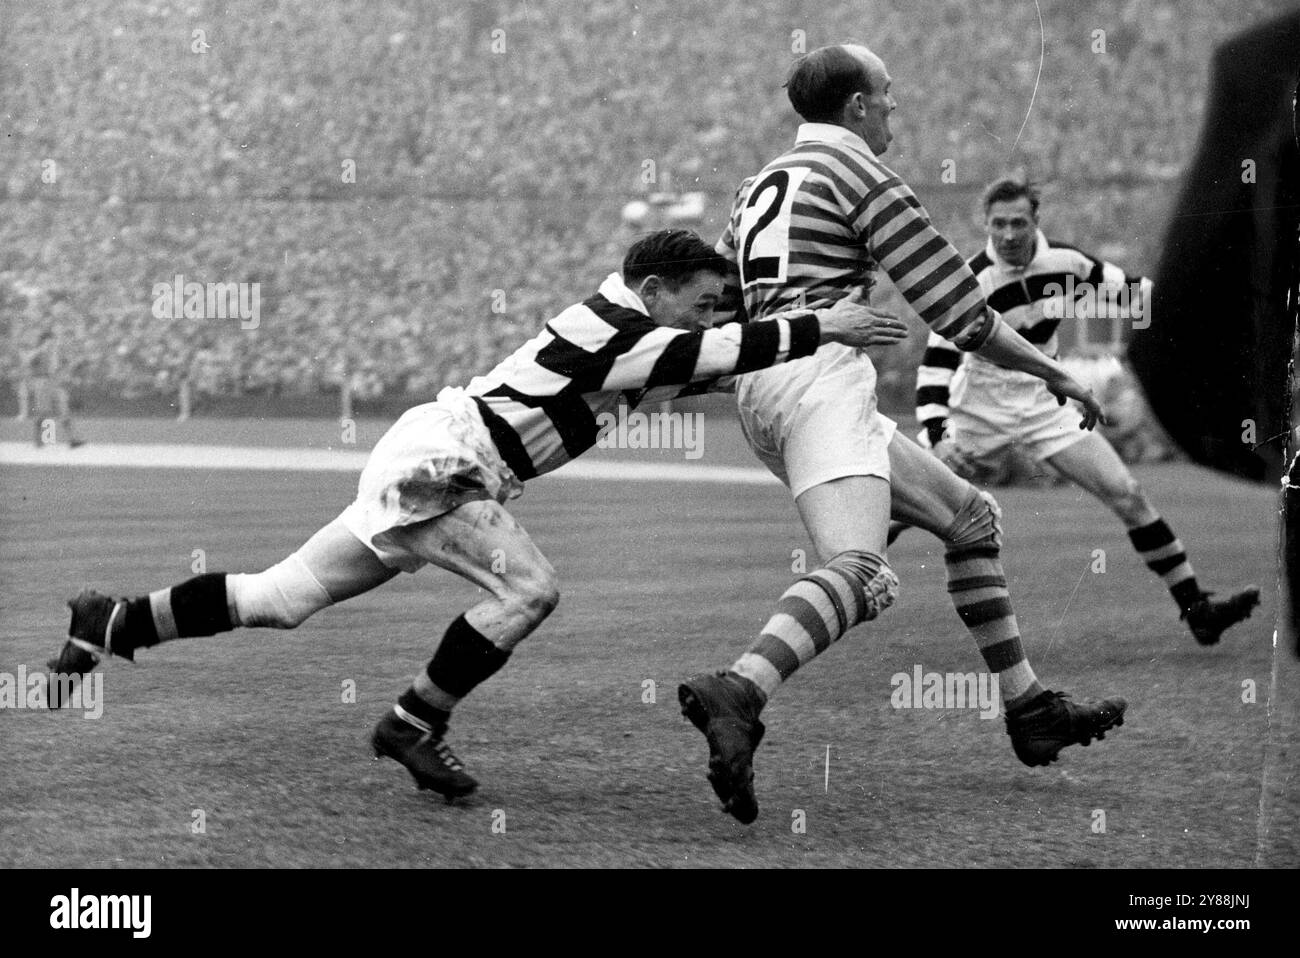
(250, 735)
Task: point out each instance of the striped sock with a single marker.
(195, 607)
(813, 613)
(1160, 549)
(979, 593)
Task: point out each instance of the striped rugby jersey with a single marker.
(540, 404)
(820, 220)
(1032, 299)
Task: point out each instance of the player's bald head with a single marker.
(870, 62)
(820, 82)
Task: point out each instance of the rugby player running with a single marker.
(813, 225)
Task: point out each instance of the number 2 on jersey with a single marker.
(765, 226)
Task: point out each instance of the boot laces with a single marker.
(442, 750)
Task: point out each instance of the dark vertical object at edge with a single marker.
(1224, 316)
(1216, 351)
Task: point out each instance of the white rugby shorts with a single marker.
(812, 421)
(992, 409)
(436, 457)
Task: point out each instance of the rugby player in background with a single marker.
(434, 487)
(973, 409)
(816, 222)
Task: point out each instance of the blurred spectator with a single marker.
(414, 185)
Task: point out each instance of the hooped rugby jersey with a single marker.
(542, 402)
(1033, 299)
(819, 221)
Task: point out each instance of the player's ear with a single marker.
(650, 288)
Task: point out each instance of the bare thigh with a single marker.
(480, 541)
(342, 563)
(1093, 464)
(847, 513)
(925, 492)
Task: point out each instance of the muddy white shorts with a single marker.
(436, 457)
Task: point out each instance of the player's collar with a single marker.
(1040, 247)
(618, 293)
(830, 133)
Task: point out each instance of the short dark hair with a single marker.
(820, 82)
(1008, 188)
(672, 255)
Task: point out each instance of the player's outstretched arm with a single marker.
(923, 265)
(937, 283)
(852, 321)
(665, 356)
(1008, 348)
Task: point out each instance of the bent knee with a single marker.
(543, 597)
(979, 520)
(1127, 498)
(871, 577)
(534, 594)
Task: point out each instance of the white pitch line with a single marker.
(101, 455)
(177, 456)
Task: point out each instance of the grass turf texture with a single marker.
(658, 581)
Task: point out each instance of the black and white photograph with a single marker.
(758, 434)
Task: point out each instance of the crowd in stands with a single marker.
(415, 187)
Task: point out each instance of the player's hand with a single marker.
(1067, 387)
(853, 323)
(956, 459)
